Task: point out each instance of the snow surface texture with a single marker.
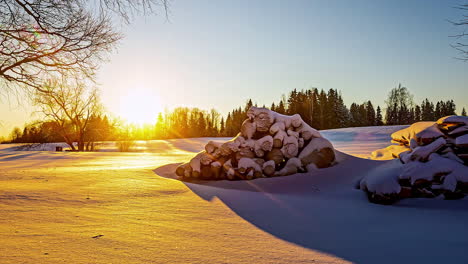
(269, 144)
(110, 207)
(433, 158)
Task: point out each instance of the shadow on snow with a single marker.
(323, 211)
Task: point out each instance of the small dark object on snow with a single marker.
(58, 148)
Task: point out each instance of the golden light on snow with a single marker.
(140, 106)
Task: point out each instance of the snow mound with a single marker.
(269, 144)
(433, 159)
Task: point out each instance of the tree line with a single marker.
(319, 108)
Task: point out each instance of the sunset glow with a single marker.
(140, 106)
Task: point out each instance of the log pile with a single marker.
(435, 162)
(269, 144)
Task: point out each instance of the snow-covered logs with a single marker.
(435, 162)
(269, 144)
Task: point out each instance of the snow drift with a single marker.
(269, 144)
(433, 161)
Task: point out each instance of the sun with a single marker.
(140, 106)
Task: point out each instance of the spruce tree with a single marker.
(281, 108)
(221, 127)
(370, 113)
(463, 113)
(378, 117)
(417, 113)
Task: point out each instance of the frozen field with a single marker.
(111, 207)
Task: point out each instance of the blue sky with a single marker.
(217, 54)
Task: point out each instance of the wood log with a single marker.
(279, 138)
(195, 164)
(269, 168)
(289, 121)
(205, 172)
(318, 151)
(250, 174)
(259, 161)
(265, 143)
(188, 171)
(307, 132)
(421, 153)
(262, 117)
(247, 163)
(258, 174)
(181, 169)
(231, 146)
(229, 170)
(290, 147)
(216, 170)
(245, 152)
(212, 146)
(275, 155)
(293, 166)
(293, 133)
(276, 127)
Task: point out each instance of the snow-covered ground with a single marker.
(356, 141)
(111, 207)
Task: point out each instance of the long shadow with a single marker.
(323, 211)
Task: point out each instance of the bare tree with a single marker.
(71, 106)
(460, 45)
(43, 39)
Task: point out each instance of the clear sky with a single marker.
(217, 54)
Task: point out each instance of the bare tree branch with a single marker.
(45, 39)
(461, 47)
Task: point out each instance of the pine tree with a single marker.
(322, 100)
(370, 113)
(273, 107)
(342, 113)
(439, 110)
(281, 108)
(248, 105)
(449, 108)
(417, 113)
(463, 113)
(356, 115)
(427, 111)
(378, 117)
(221, 127)
(292, 102)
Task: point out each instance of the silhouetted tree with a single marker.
(370, 112)
(71, 106)
(399, 103)
(417, 113)
(427, 111)
(378, 117)
(41, 40)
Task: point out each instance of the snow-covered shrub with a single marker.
(269, 144)
(125, 145)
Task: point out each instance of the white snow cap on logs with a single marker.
(267, 145)
(246, 163)
(290, 147)
(453, 119)
(462, 141)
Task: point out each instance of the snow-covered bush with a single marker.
(269, 144)
(434, 158)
